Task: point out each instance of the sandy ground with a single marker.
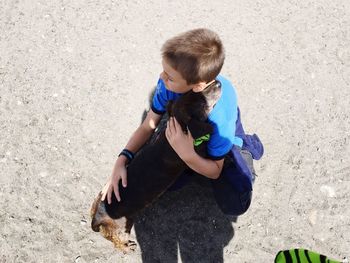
(74, 81)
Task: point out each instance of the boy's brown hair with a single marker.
(198, 55)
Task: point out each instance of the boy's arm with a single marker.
(183, 145)
(143, 132)
(136, 141)
(207, 167)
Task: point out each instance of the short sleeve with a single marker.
(220, 143)
(161, 97)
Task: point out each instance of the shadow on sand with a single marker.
(187, 220)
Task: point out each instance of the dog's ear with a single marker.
(199, 128)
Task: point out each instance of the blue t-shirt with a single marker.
(222, 117)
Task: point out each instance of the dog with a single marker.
(153, 170)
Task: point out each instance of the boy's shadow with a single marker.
(187, 220)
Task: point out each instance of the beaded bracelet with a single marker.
(128, 154)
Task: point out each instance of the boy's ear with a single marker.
(199, 128)
(198, 87)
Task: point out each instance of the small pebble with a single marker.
(327, 190)
(313, 217)
(43, 174)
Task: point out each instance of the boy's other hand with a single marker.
(181, 143)
(112, 185)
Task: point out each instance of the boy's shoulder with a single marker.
(225, 82)
(161, 96)
(223, 79)
(228, 96)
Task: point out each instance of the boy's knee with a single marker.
(236, 204)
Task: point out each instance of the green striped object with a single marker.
(302, 256)
(200, 140)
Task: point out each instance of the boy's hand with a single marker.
(181, 143)
(112, 186)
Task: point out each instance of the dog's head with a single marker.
(191, 112)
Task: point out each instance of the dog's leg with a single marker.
(128, 225)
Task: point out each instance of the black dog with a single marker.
(154, 169)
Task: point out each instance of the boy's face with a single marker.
(173, 79)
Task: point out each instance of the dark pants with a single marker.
(230, 200)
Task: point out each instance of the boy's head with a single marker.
(191, 60)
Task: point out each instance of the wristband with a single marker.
(128, 154)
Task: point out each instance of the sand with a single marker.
(74, 81)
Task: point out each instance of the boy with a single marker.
(193, 61)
